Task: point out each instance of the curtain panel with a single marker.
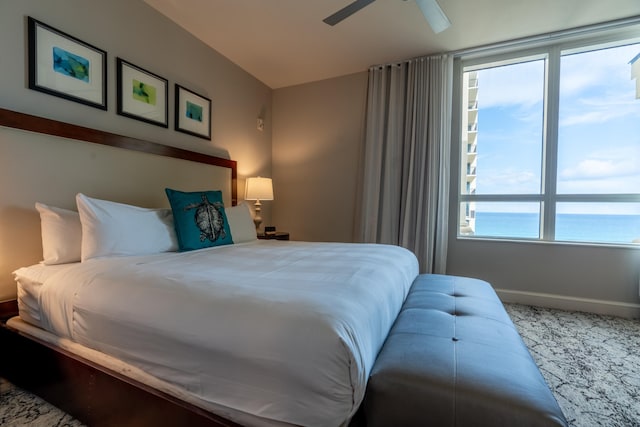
(404, 193)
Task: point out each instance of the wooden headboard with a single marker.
(47, 161)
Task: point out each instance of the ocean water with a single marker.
(569, 227)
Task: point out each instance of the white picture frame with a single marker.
(141, 94)
(193, 113)
(64, 66)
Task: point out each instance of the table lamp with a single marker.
(258, 189)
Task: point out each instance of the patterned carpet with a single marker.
(20, 409)
(591, 363)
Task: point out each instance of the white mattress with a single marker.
(29, 282)
(129, 371)
(282, 331)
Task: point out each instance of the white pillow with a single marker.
(116, 229)
(241, 224)
(61, 234)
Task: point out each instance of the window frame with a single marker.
(551, 49)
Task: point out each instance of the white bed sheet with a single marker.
(138, 375)
(283, 331)
(29, 281)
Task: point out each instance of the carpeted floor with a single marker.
(20, 409)
(591, 363)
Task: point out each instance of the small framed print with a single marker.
(193, 113)
(142, 95)
(64, 66)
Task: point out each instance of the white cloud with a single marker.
(508, 181)
(521, 84)
(611, 185)
(511, 85)
(608, 170)
(583, 71)
(592, 117)
(600, 107)
(508, 207)
(599, 168)
(610, 162)
(585, 118)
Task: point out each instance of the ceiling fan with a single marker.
(429, 8)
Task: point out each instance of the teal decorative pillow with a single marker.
(199, 219)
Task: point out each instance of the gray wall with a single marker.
(317, 135)
(137, 33)
(585, 278)
(134, 31)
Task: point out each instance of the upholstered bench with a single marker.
(454, 358)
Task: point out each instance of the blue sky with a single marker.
(599, 134)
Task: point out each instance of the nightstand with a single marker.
(8, 309)
(280, 235)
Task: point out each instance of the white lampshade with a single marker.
(259, 188)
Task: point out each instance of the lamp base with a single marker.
(257, 219)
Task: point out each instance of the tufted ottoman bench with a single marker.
(454, 358)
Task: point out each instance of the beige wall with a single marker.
(137, 33)
(317, 135)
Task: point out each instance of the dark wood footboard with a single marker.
(91, 393)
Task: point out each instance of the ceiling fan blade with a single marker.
(346, 11)
(434, 15)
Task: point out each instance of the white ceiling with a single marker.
(285, 42)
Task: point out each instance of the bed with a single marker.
(256, 332)
(284, 332)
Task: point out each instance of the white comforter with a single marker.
(285, 331)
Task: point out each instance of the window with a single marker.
(550, 145)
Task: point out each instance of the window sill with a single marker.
(632, 246)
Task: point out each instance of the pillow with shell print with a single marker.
(199, 219)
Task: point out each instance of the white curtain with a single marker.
(405, 168)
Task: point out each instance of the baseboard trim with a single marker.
(612, 308)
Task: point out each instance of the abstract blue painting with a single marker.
(70, 64)
(194, 111)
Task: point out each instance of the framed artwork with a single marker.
(141, 94)
(193, 113)
(64, 66)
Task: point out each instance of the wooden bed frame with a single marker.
(13, 119)
(93, 394)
